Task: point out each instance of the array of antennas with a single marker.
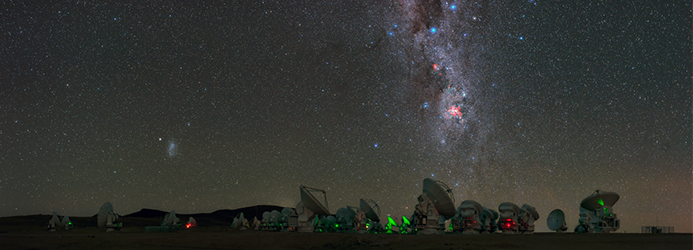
(435, 213)
(109, 220)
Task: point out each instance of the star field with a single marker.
(210, 105)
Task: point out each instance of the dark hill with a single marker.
(151, 217)
(147, 213)
(222, 217)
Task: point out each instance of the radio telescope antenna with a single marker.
(371, 209)
(102, 216)
(556, 221)
(441, 195)
(310, 202)
(600, 204)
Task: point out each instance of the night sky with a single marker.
(196, 106)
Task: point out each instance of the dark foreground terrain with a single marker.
(223, 238)
(28, 232)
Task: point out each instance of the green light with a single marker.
(405, 225)
(390, 224)
(391, 221)
(336, 225)
(601, 202)
(451, 227)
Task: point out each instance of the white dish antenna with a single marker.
(276, 216)
(191, 222)
(171, 219)
(102, 216)
(54, 222)
(371, 209)
(441, 195)
(509, 207)
(556, 221)
(310, 202)
(66, 223)
(472, 204)
(346, 214)
(531, 211)
(599, 200)
(287, 212)
(490, 213)
(299, 207)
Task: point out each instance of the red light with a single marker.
(454, 111)
(435, 66)
(188, 225)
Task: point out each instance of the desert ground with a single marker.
(214, 232)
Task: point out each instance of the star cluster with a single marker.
(210, 105)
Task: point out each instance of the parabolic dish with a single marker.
(495, 214)
(599, 199)
(275, 216)
(65, 221)
(311, 203)
(441, 196)
(171, 218)
(346, 214)
(509, 206)
(555, 219)
(350, 213)
(356, 210)
(531, 210)
(103, 214)
(369, 210)
(299, 207)
(472, 204)
(288, 212)
(491, 214)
